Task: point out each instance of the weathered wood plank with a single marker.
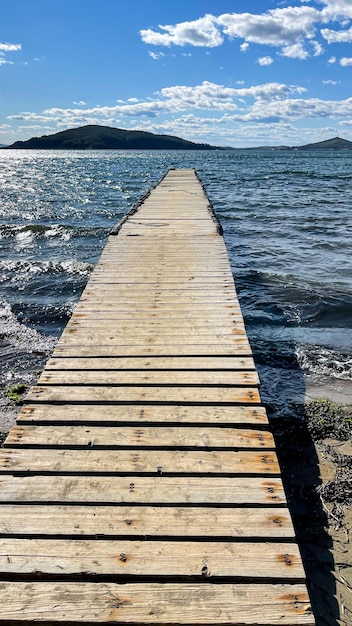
(138, 377)
(227, 415)
(170, 316)
(116, 337)
(145, 521)
(133, 462)
(152, 363)
(140, 435)
(154, 604)
(79, 349)
(143, 394)
(144, 324)
(141, 490)
(150, 558)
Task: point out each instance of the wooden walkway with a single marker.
(141, 485)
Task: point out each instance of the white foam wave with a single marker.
(324, 362)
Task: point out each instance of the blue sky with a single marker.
(237, 73)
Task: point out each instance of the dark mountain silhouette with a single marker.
(105, 138)
(336, 143)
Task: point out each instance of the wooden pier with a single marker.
(140, 485)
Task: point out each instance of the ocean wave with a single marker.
(324, 362)
(20, 343)
(11, 268)
(60, 231)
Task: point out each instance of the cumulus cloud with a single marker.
(276, 27)
(171, 100)
(79, 103)
(346, 61)
(337, 36)
(293, 29)
(295, 51)
(317, 48)
(337, 10)
(202, 32)
(10, 47)
(265, 60)
(296, 109)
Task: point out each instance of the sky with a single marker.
(225, 72)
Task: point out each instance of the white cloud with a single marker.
(292, 29)
(346, 61)
(265, 60)
(337, 10)
(79, 103)
(201, 33)
(156, 55)
(330, 82)
(171, 100)
(337, 36)
(295, 51)
(317, 48)
(5, 62)
(276, 27)
(332, 60)
(10, 47)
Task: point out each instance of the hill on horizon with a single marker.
(336, 143)
(94, 137)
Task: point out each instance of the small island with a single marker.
(93, 137)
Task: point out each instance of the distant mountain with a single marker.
(330, 144)
(2, 145)
(105, 138)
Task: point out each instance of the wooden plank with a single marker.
(157, 326)
(182, 287)
(141, 490)
(140, 435)
(152, 363)
(106, 270)
(40, 557)
(88, 414)
(148, 285)
(193, 314)
(79, 349)
(145, 521)
(57, 393)
(154, 604)
(161, 338)
(135, 462)
(125, 315)
(226, 342)
(140, 377)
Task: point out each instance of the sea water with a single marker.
(287, 226)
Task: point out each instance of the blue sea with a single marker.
(287, 226)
